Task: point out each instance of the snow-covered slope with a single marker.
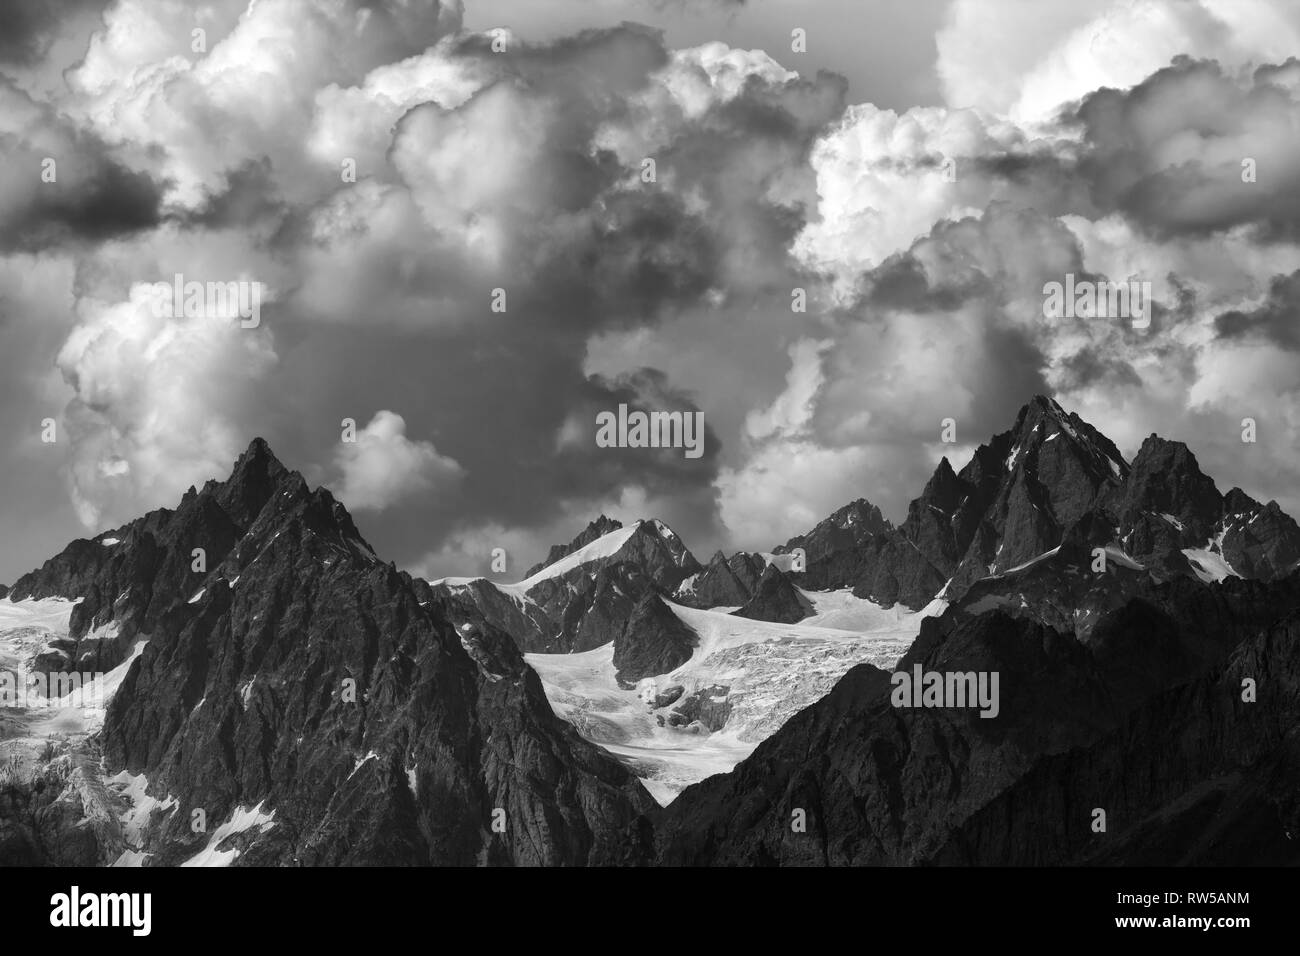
(27, 629)
(603, 547)
(758, 673)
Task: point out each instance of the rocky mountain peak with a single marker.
(666, 542)
(775, 598)
(1012, 502)
(1237, 501)
(1043, 420)
(1167, 480)
(944, 490)
(598, 528)
(652, 642)
(134, 575)
(601, 526)
(590, 585)
(861, 515)
(256, 476)
(724, 581)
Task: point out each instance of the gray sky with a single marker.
(884, 48)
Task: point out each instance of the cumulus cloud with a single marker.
(1192, 150)
(884, 179)
(1273, 320)
(788, 482)
(64, 186)
(383, 467)
(1102, 138)
(155, 405)
(1059, 53)
(191, 109)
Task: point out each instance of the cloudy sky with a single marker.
(920, 170)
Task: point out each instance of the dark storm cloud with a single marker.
(27, 27)
(91, 196)
(1091, 367)
(900, 282)
(1277, 319)
(1169, 152)
(794, 112)
(1023, 168)
(250, 197)
(592, 70)
(643, 254)
(104, 201)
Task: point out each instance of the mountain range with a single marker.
(291, 699)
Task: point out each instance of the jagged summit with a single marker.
(596, 529)
(649, 542)
(589, 586)
(239, 696)
(724, 581)
(231, 522)
(1043, 420)
(1050, 479)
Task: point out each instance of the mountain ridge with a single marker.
(1109, 594)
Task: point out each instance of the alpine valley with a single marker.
(299, 701)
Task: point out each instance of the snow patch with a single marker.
(663, 529)
(606, 546)
(1207, 565)
(1120, 557)
(370, 756)
(241, 821)
(1032, 561)
(138, 815)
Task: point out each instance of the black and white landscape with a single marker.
(649, 433)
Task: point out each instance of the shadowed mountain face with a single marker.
(654, 641)
(1147, 723)
(302, 682)
(775, 599)
(724, 581)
